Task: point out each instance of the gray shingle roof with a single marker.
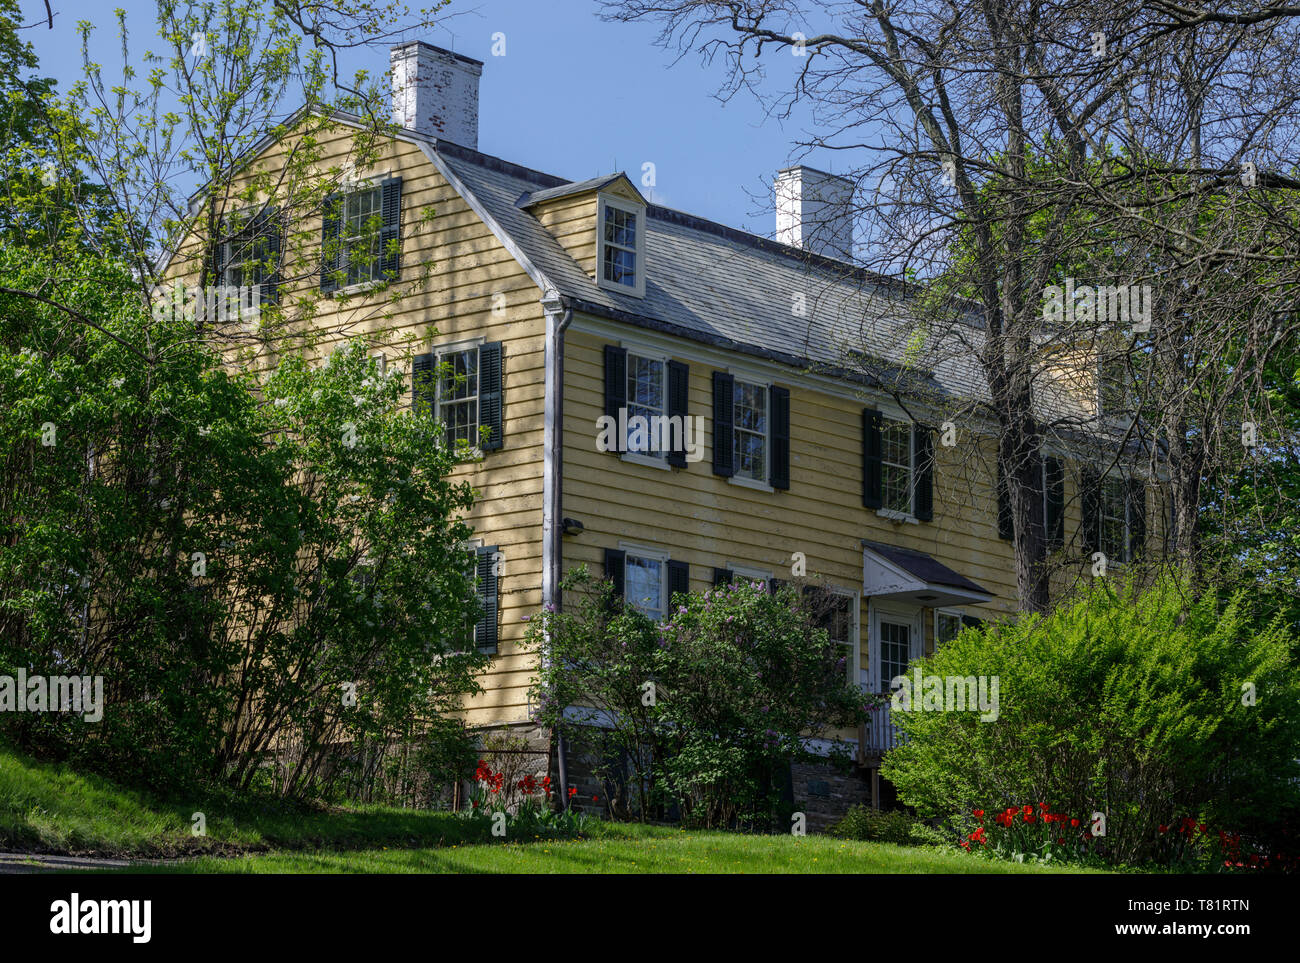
(720, 286)
(923, 567)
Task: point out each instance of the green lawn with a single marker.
(633, 850)
(48, 808)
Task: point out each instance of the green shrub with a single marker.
(866, 824)
(707, 705)
(1146, 706)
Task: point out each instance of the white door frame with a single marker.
(899, 613)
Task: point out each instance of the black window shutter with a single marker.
(330, 245)
(679, 579)
(390, 234)
(1054, 479)
(1006, 526)
(614, 568)
(722, 576)
(424, 374)
(775, 585)
(970, 621)
(678, 381)
(1137, 516)
(780, 405)
(485, 633)
(723, 389)
(272, 227)
(923, 459)
(872, 496)
(1090, 501)
(491, 396)
(615, 384)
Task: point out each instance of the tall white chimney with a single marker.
(435, 92)
(814, 211)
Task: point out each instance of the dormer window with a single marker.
(620, 265)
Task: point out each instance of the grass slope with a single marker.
(47, 808)
(649, 850)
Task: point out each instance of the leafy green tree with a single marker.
(706, 705)
(254, 566)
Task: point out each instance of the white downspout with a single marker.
(558, 316)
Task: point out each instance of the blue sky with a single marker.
(573, 96)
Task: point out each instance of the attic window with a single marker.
(622, 243)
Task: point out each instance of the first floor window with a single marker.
(643, 584)
(947, 626)
(750, 426)
(896, 466)
(840, 624)
(1113, 526)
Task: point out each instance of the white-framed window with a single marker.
(750, 573)
(621, 246)
(645, 580)
(895, 642)
(456, 398)
(245, 253)
(361, 219)
(647, 396)
(1113, 524)
(751, 424)
(897, 468)
(1115, 389)
(947, 625)
(840, 620)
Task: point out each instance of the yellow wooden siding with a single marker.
(572, 222)
(475, 289)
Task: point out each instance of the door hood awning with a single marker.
(890, 572)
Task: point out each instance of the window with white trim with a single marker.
(750, 430)
(647, 396)
(1113, 524)
(645, 582)
(947, 626)
(840, 621)
(896, 466)
(621, 235)
(456, 404)
(361, 220)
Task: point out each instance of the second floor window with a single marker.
(457, 395)
(646, 397)
(749, 426)
(359, 235)
(896, 466)
(1114, 515)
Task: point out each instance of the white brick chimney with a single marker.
(814, 211)
(435, 92)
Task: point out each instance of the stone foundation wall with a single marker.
(824, 794)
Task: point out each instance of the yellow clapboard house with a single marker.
(563, 303)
